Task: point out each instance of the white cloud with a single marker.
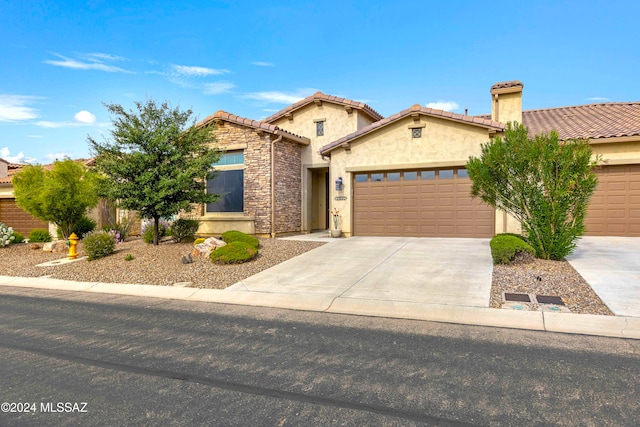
(14, 108)
(598, 99)
(443, 105)
(19, 158)
(195, 71)
(99, 57)
(280, 97)
(93, 61)
(56, 156)
(85, 117)
(263, 64)
(217, 88)
(35, 136)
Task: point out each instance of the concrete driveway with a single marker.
(611, 265)
(423, 270)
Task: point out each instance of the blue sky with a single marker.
(60, 60)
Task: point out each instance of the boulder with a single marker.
(205, 248)
(57, 246)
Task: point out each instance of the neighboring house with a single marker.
(404, 175)
(12, 215)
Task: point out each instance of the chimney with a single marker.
(506, 101)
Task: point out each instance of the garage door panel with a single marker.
(614, 207)
(429, 205)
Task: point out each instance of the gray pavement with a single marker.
(442, 280)
(611, 265)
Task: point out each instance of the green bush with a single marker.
(18, 237)
(7, 235)
(39, 235)
(198, 241)
(129, 257)
(82, 227)
(234, 253)
(147, 231)
(99, 244)
(504, 248)
(238, 236)
(184, 229)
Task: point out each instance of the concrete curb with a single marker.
(607, 326)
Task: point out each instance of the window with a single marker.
(410, 176)
(427, 175)
(416, 133)
(320, 128)
(445, 174)
(462, 173)
(362, 177)
(228, 182)
(393, 176)
(377, 177)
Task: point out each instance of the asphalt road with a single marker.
(86, 359)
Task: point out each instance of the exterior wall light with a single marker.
(339, 184)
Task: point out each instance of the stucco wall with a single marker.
(618, 152)
(509, 107)
(6, 192)
(338, 123)
(443, 143)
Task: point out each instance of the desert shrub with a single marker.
(121, 229)
(82, 227)
(6, 235)
(129, 257)
(39, 235)
(184, 229)
(18, 237)
(234, 253)
(99, 244)
(147, 231)
(199, 240)
(238, 236)
(504, 248)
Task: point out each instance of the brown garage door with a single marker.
(420, 203)
(19, 220)
(615, 206)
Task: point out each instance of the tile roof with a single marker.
(319, 96)
(506, 85)
(593, 121)
(267, 127)
(15, 168)
(432, 112)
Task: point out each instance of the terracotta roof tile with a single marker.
(319, 96)
(593, 121)
(267, 127)
(475, 121)
(509, 84)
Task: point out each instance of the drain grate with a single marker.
(547, 299)
(516, 297)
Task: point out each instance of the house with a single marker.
(14, 216)
(403, 175)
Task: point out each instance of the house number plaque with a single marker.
(340, 198)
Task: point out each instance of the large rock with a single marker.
(205, 248)
(58, 246)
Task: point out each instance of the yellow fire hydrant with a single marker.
(73, 243)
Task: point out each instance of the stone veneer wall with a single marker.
(288, 197)
(257, 177)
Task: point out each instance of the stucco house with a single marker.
(403, 175)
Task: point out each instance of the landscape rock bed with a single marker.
(153, 265)
(543, 277)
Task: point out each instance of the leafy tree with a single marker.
(156, 162)
(61, 195)
(544, 183)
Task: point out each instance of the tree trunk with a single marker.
(156, 226)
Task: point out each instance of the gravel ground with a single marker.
(162, 265)
(542, 277)
(154, 265)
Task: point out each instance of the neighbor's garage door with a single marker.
(19, 220)
(420, 203)
(615, 206)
